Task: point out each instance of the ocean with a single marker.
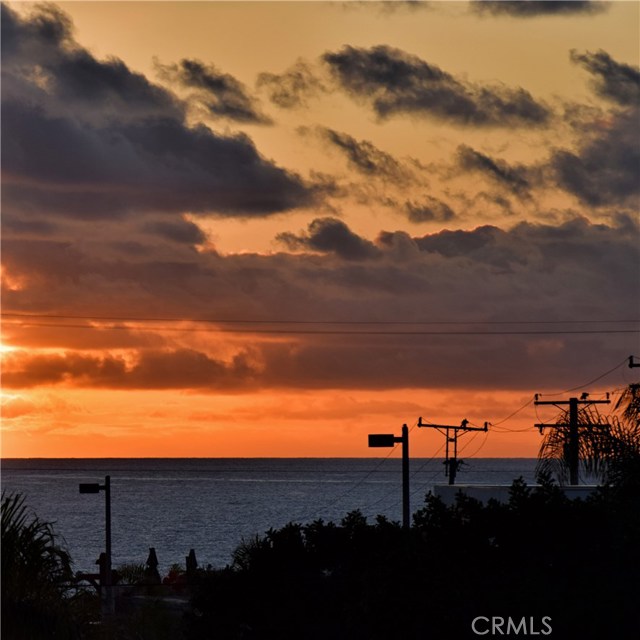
(212, 504)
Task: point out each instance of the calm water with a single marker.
(211, 504)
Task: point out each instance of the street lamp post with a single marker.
(389, 440)
(94, 487)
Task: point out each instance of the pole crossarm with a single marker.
(540, 426)
(573, 426)
(557, 403)
(463, 426)
(451, 463)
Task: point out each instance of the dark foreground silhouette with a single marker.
(575, 563)
(540, 561)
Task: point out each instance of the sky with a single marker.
(271, 228)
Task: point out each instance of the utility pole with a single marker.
(632, 363)
(389, 440)
(452, 463)
(573, 425)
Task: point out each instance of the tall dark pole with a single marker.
(453, 464)
(107, 520)
(574, 451)
(573, 440)
(406, 509)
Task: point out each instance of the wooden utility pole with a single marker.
(451, 462)
(632, 363)
(573, 444)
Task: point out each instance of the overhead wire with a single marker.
(412, 476)
(125, 318)
(364, 332)
(351, 488)
(586, 384)
(484, 441)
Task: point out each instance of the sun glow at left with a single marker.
(6, 348)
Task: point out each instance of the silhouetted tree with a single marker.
(36, 575)
(609, 445)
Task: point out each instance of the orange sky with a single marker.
(269, 229)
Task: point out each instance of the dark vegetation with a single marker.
(38, 600)
(540, 554)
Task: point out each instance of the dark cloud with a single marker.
(397, 83)
(459, 243)
(366, 158)
(531, 272)
(42, 63)
(91, 337)
(615, 81)
(16, 225)
(91, 139)
(182, 231)
(154, 369)
(514, 178)
(77, 169)
(293, 88)
(429, 209)
(533, 8)
(605, 169)
(222, 95)
(496, 200)
(49, 27)
(331, 236)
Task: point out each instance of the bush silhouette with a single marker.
(537, 555)
(36, 575)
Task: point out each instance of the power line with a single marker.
(524, 406)
(586, 384)
(353, 487)
(366, 332)
(484, 441)
(122, 318)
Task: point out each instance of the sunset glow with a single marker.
(269, 229)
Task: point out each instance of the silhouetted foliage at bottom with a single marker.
(37, 599)
(538, 555)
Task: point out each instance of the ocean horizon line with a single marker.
(9, 459)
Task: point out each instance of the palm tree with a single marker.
(609, 446)
(36, 575)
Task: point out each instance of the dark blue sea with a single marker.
(212, 504)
